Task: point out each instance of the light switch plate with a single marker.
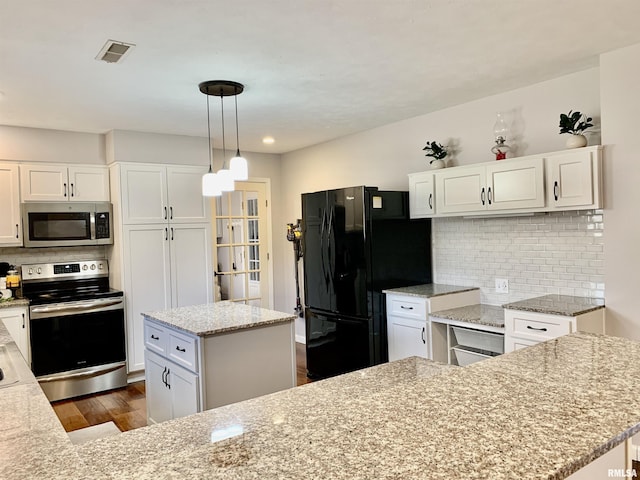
(502, 285)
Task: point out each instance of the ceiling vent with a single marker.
(114, 51)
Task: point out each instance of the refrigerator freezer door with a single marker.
(318, 289)
(336, 344)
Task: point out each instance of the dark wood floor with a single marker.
(126, 407)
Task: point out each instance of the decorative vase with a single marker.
(576, 141)
(438, 163)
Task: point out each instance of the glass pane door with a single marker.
(241, 245)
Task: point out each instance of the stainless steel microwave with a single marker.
(66, 224)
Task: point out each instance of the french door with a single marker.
(241, 267)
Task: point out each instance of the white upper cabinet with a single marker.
(567, 180)
(461, 190)
(10, 222)
(514, 185)
(573, 179)
(422, 202)
(74, 183)
(158, 193)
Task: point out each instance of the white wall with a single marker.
(54, 146)
(384, 156)
(619, 73)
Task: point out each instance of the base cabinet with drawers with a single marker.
(408, 327)
(524, 328)
(186, 373)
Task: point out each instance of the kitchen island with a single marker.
(205, 356)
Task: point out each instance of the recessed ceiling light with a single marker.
(268, 140)
(114, 51)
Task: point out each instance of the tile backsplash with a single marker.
(559, 252)
(25, 256)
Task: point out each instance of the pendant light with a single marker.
(238, 165)
(209, 181)
(213, 184)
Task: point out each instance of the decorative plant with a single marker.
(574, 123)
(435, 150)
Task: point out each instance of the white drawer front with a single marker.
(155, 338)
(182, 350)
(406, 306)
(524, 326)
(513, 344)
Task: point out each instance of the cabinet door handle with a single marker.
(489, 195)
(482, 195)
(166, 233)
(72, 194)
(153, 337)
(168, 373)
(431, 201)
(65, 189)
(543, 329)
(555, 190)
(17, 231)
(406, 308)
(170, 213)
(180, 349)
(23, 323)
(171, 233)
(423, 331)
(164, 379)
(165, 212)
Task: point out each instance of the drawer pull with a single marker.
(543, 329)
(153, 337)
(406, 308)
(180, 349)
(423, 340)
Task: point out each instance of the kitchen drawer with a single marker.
(155, 338)
(466, 357)
(512, 344)
(466, 337)
(183, 350)
(406, 306)
(536, 326)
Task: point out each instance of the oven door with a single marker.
(75, 335)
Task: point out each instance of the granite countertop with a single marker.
(538, 413)
(558, 305)
(478, 314)
(219, 317)
(33, 443)
(14, 302)
(429, 290)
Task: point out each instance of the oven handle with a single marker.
(85, 372)
(103, 304)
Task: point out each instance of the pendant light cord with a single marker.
(224, 148)
(235, 97)
(209, 131)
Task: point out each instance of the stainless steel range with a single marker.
(77, 328)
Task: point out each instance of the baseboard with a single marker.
(301, 339)
(136, 376)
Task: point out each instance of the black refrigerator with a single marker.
(357, 241)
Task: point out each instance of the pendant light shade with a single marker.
(238, 167)
(210, 187)
(213, 184)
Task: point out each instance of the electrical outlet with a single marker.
(502, 285)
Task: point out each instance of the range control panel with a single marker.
(82, 269)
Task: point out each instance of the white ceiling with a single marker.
(314, 70)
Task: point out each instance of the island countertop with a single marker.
(219, 317)
(429, 290)
(538, 413)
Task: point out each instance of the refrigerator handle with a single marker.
(330, 222)
(322, 261)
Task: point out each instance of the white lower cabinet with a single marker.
(16, 319)
(408, 326)
(172, 391)
(523, 328)
(186, 373)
